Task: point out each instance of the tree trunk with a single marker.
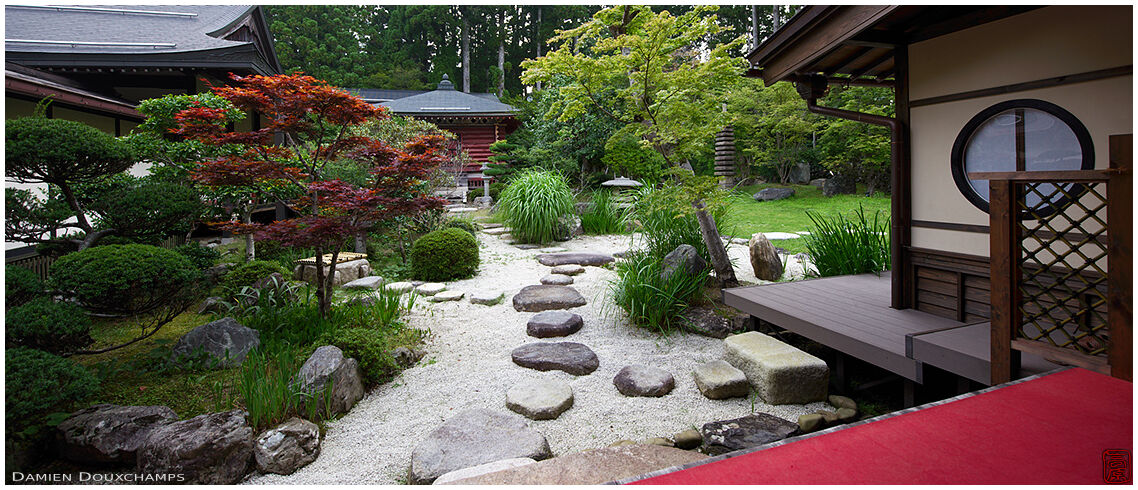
(250, 243)
(537, 37)
(326, 291)
(719, 260)
(465, 53)
(501, 61)
(80, 218)
(320, 284)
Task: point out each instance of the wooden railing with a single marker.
(1061, 259)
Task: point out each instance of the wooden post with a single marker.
(1120, 257)
(1004, 252)
(724, 272)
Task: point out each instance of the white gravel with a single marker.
(468, 366)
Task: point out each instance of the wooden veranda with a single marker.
(851, 314)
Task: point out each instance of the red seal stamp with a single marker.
(1116, 466)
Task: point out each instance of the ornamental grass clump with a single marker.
(603, 217)
(667, 219)
(533, 203)
(840, 246)
(651, 299)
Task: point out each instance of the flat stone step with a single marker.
(752, 430)
(369, 282)
(430, 288)
(399, 287)
(447, 296)
(554, 324)
(579, 258)
(496, 231)
(527, 246)
(571, 357)
(482, 469)
(557, 280)
(590, 467)
(568, 269)
(552, 250)
(779, 372)
(540, 399)
(546, 297)
(488, 298)
(639, 380)
(473, 437)
(718, 380)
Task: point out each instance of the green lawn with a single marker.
(789, 215)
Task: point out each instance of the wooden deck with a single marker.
(851, 314)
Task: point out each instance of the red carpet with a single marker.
(1049, 430)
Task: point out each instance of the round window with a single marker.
(1021, 135)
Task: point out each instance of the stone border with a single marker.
(789, 440)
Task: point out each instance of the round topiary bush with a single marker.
(123, 278)
(21, 285)
(443, 255)
(39, 383)
(249, 273)
(533, 203)
(466, 224)
(44, 324)
(202, 257)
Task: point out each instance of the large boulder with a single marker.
(779, 372)
(638, 380)
(571, 357)
(568, 227)
(839, 184)
(328, 365)
(579, 258)
(108, 433)
(799, 174)
(474, 437)
(224, 341)
(773, 194)
(544, 297)
(210, 449)
(753, 430)
(764, 258)
(287, 447)
(684, 259)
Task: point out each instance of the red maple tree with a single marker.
(313, 119)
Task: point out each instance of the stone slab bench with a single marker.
(779, 372)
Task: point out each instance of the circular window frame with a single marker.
(956, 162)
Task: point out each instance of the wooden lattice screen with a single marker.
(1061, 251)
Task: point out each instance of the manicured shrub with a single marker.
(444, 255)
(368, 348)
(839, 245)
(44, 324)
(248, 273)
(465, 224)
(625, 154)
(201, 256)
(60, 151)
(38, 383)
(21, 285)
(123, 278)
(532, 204)
(650, 300)
(146, 209)
(603, 216)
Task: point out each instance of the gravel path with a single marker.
(468, 366)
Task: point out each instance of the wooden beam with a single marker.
(1062, 176)
(851, 60)
(840, 25)
(1120, 257)
(969, 19)
(1118, 71)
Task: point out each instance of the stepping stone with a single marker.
(781, 373)
(462, 210)
(527, 246)
(718, 380)
(740, 241)
(594, 467)
(473, 437)
(775, 235)
(688, 439)
(369, 282)
(638, 380)
(579, 258)
(447, 296)
(482, 469)
(552, 250)
(540, 400)
(568, 269)
(554, 324)
(557, 280)
(496, 231)
(399, 287)
(430, 288)
(571, 357)
(545, 297)
(488, 298)
(753, 430)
